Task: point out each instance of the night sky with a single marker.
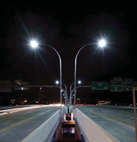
(67, 26)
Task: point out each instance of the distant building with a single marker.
(16, 95)
(104, 102)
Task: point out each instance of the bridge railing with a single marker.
(92, 131)
(45, 132)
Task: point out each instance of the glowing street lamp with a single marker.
(101, 43)
(62, 90)
(57, 82)
(34, 44)
(70, 98)
(79, 82)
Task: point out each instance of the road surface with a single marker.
(119, 122)
(15, 127)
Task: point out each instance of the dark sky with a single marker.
(67, 26)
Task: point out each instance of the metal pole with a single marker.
(71, 86)
(60, 62)
(75, 70)
(66, 94)
(48, 86)
(60, 83)
(70, 97)
(65, 86)
(84, 86)
(134, 101)
(66, 102)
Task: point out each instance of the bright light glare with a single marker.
(34, 44)
(57, 82)
(79, 82)
(56, 105)
(102, 43)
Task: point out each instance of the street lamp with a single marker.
(66, 95)
(57, 82)
(79, 82)
(70, 97)
(34, 44)
(101, 44)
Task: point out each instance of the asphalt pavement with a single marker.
(16, 126)
(119, 122)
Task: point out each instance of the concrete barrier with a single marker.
(92, 131)
(65, 109)
(45, 132)
(71, 107)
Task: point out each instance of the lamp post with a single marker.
(79, 82)
(101, 44)
(34, 44)
(66, 95)
(70, 98)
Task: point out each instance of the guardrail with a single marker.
(45, 132)
(92, 131)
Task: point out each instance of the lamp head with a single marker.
(57, 82)
(33, 43)
(102, 43)
(79, 82)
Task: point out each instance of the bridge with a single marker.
(43, 123)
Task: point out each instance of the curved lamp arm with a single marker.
(75, 70)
